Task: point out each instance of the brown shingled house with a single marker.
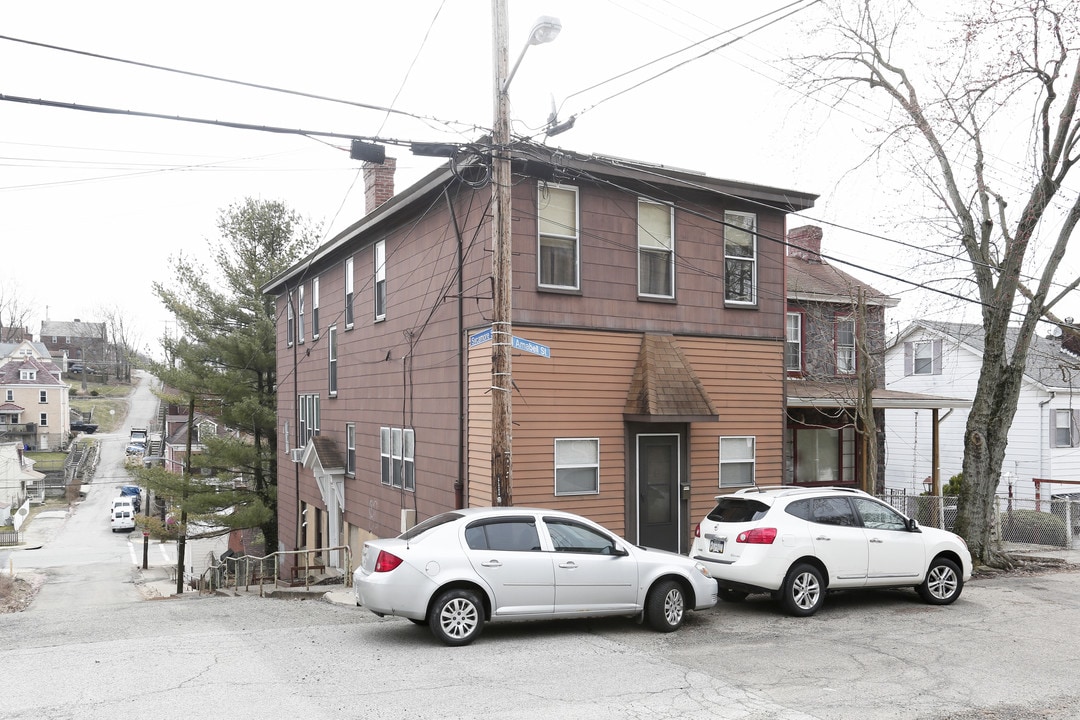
(650, 303)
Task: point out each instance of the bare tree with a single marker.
(955, 118)
(15, 310)
(123, 339)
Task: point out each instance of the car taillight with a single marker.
(757, 536)
(386, 562)
(697, 530)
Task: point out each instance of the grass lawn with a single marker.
(107, 408)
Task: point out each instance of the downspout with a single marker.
(1043, 441)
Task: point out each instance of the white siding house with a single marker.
(945, 359)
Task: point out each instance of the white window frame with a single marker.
(574, 235)
(31, 374)
(43, 396)
(300, 314)
(350, 448)
(397, 451)
(350, 295)
(1066, 428)
(569, 465)
(44, 420)
(315, 308)
(733, 218)
(332, 360)
(290, 322)
(380, 281)
(738, 460)
(793, 333)
(308, 411)
(650, 245)
(845, 354)
(927, 347)
(10, 396)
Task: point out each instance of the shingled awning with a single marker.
(665, 387)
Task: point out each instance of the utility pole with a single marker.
(501, 270)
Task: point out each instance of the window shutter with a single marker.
(1074, 429)
(909, 359)
(937, 357)
(1051, 418)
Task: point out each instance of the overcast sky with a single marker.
(94, 205)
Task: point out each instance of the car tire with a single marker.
(665, 606)
(804, 590)
(457, 617)
(943, 582)
(731, 596)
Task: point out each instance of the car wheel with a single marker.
(665, 606)
(803, 591)
(457, 617)
(943, 582)
(731, 596)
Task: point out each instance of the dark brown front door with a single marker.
(658, 490)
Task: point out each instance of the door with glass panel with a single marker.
(658, 480)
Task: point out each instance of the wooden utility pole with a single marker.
(181, 542)
(501, 270)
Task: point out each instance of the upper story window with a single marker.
(793, 343)
(43, 396)
(558, 251)
(923, 356)
(398, 453)
(350, 448)
(845, 345)
(1066, 433)
(380, 280)
(348, 293)
(290, 322)
(331, 351)
(43, 420)
(10, 396)
(28, 374)
(656, 249)
(309, 415)
(315, 309)
(300, 313)
(740, 258)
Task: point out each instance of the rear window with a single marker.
(738, 510)
(432, 522)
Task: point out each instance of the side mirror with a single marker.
(912, 525)
(618, 550)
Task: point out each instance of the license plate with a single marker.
(716, 545)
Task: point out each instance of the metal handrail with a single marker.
(242, 565)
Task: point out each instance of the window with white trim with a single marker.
(348, 293)
(43, 396)
(656, 249)
(398, 457)
(738, 461)
(380, 280)
(28, 374)
(331, 352)
(10, 396)
(350, 448)
(845, 345)
(1064, 434)
(290, 322)
(558, 249)
(44, 420)
(308, 410)
(923, 358)
(793, 343)
(740, 258)
(577, 466)
(315, 308)
(300, 314)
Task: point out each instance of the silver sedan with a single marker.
(460, 569)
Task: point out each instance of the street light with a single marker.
(544, 30)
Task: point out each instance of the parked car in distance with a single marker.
(121, 501)
(798, 543)
(79, 426)
(461, 569)
(123, 518)
(134, 493)
(135, 449)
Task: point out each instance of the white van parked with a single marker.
(122, 502)
(123, 517)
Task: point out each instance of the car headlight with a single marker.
(702, 569)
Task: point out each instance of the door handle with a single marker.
(876, 540)
(568, 565)
(491, 563)
(822, 537)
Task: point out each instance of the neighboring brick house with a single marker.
(34, 406)
(828, 350)
(71, 341)
(649, 375)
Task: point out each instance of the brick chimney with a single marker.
(805, 243)
(378, 183)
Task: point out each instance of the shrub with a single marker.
(94, 393)
(1033, 527)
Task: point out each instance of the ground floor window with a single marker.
(577, 466)
(737, 460)
(823, 455)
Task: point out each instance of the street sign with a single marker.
(531, 347)
(480, 338)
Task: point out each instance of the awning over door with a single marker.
(665, 387)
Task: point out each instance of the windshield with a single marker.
(738, 510)
(431, 522)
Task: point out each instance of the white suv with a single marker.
(797, 543)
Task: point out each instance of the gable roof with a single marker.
(1046, 361)
(811, 278)
(665, 387)
(10, 373)
(72, 328)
